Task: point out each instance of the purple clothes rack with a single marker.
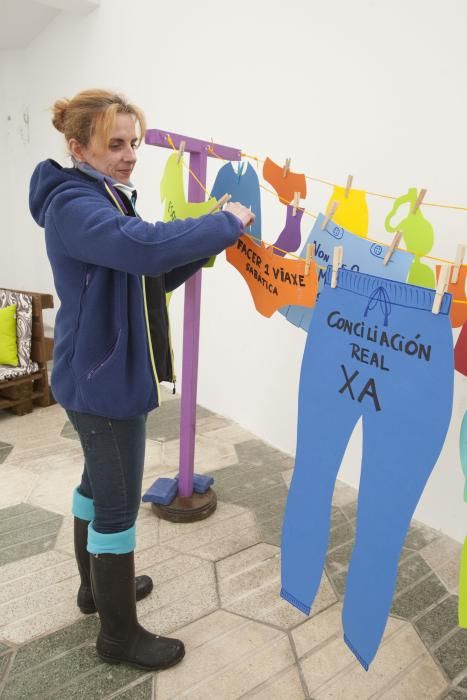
(199, 153)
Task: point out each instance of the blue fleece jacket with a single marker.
(102, 356)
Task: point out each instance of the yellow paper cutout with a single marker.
(352, 212)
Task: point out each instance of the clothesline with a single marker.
(373, 194)
(309, 213)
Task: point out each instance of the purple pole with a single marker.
(199, 152)
(198, 165)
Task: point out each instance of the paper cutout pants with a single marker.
(374, 350)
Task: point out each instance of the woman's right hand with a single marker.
(245, 215)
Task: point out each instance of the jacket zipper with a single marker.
(148, 334)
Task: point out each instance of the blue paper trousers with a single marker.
(374, 351)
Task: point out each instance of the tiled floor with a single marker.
(216, 583)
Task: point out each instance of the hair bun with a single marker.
(58, 114)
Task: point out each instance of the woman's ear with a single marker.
(76, 149)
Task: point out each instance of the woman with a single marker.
(111, 272)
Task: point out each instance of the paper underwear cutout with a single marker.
(284, 186)
(272, 281)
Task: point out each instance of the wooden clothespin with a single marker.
(337, 259)
(296, 203)
(331, 211)
(310, 253)
(181, 151)
(395, 244)
(348, 186)
(419, 200)
(441, 287)
(223, 200)
(286, 168)
(457, 263)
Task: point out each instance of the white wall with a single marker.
(376, 89)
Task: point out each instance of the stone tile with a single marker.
(343, 494)
(419, 536)
(410, 571)
(286, 684)
(50, 677)
(4, 664)
(26, 522)
(13, 511)
(454, 695)
(207, 426)
(337, 561)
(463, 683)
(417, 599)
(252, 588)
(140, 691)
(318, 629)
(449, 574)
(350, 510)
(164, 424)
(43, 622)
(69, 432)
(287, 476)
(5, 450)
(15, 485)
(232, 433)
(44, 650)
(341, 535)
(37, 563)
(210, 455)
(337, 518)
(21, 535)
(438, 621)
(32, 583)
(397, 653)
(27, 549)
(424, 680)
(452, 654)
(104, 680)
(17, 609)
(226, 658)
(440, 551)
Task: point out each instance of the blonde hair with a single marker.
(93, 112)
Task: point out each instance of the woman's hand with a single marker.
(245, 215)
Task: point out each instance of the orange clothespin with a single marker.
(296, 203)
(395, 244)
(457, 263)
(310, 253)
(421, 196)
(348, 186)
(223, 200)
(441, 287)
(331, 211)
(286, 168)
(181, 151)
(337, 258)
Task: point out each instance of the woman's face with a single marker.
(118, 159)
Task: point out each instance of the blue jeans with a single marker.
(113, 468)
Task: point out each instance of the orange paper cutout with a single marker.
(284, 186)
(273, 282)
(458, 311)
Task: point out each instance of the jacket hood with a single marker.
(48, 180)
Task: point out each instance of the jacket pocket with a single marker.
(105, 360)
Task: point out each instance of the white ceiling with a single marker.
(22, 20)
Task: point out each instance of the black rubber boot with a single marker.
(85, 598)
(121, 638)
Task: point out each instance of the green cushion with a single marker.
(8, 347)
